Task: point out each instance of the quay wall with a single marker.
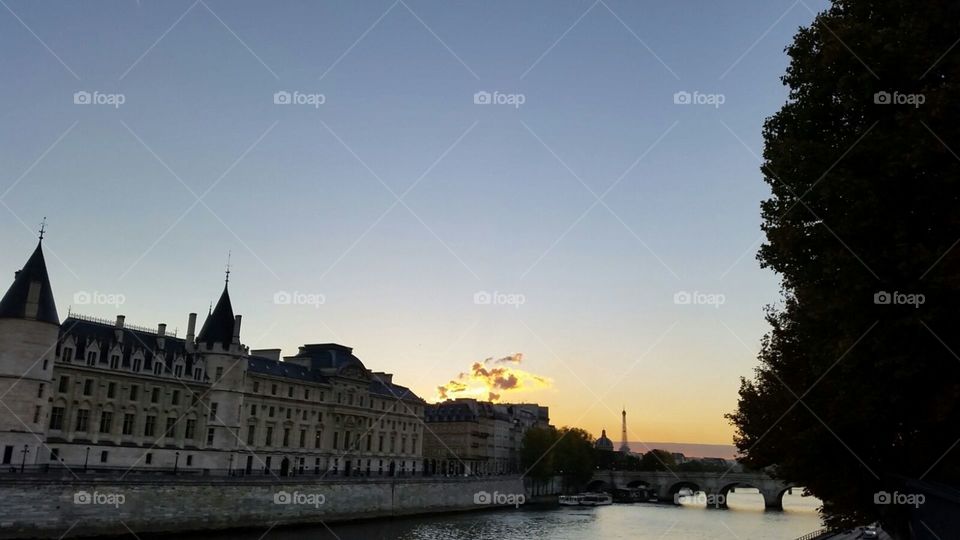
(46, 508)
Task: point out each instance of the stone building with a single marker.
(469, 437)
(92, 393)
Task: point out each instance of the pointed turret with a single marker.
(219, 325)
(31, 297)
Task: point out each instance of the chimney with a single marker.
(191, 326)
(118, 328)
(236, 330)
(162, 329)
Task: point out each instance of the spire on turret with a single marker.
(218, 327)
(30, 296)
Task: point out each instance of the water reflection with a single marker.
(744, 519)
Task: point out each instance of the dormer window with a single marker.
(157, 368)
(91, 358)
(67, 354)
(114, 361)
(136, 365)
(196, 374)
(178, 371)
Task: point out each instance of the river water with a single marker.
(745, 519)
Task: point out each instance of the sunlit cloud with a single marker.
(491, 379)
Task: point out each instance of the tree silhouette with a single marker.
(858, 382)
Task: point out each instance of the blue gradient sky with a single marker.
(302, 195)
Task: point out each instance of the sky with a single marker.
(567, 191)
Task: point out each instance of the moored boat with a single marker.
(586, 499)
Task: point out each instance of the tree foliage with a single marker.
(566, 452)
(853, 393)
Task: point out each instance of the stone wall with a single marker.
(45, 508)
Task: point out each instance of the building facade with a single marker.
(469, 437)
(91, 393)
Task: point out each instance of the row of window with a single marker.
(133, 393)
(339, 443)
(81, 424)
(340, 397)
(93, 358)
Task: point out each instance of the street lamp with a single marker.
(86, 460)
(176, 463)
(23, 462)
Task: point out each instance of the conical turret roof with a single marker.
(18, 304)
(218, 327)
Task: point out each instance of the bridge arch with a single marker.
(676, 487)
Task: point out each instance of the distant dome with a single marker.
(603, 443)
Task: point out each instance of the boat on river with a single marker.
(586, 499)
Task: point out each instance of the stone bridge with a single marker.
(716, 485)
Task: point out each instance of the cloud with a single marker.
(491, 378)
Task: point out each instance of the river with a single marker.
(745, 519)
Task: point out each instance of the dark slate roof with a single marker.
(269, 366)
(329, 356)
(451, 411)
(291, 370)
(14, 303)
(394, 391)
(89, 332)
(218, 328)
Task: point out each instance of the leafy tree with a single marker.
(574, 455)
(853, 392)
(657, 460)
(536, 454)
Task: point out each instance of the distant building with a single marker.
(603, 443)
(469, 437)
(95, 393)
(678, 457)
